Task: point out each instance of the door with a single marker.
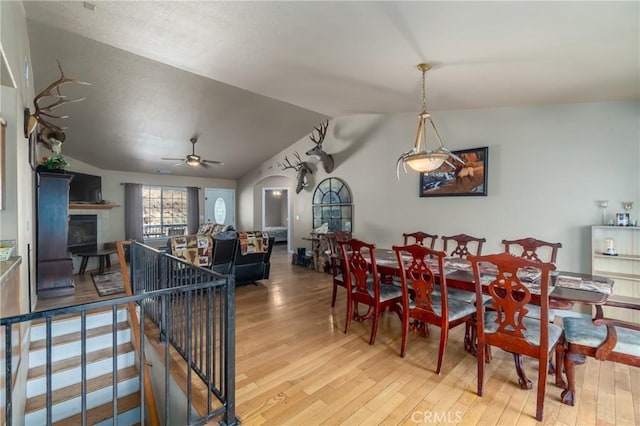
(220, 206)
(275, 214)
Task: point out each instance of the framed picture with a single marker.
(622, 219)
(468, 179)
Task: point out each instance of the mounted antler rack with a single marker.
(301, 167)
(51, 135)
(317, 151)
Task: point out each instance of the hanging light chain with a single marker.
(424, 91)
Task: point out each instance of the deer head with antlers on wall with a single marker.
(301, 167)
(317, 151)
(51, 135)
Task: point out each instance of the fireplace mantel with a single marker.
(92, 206)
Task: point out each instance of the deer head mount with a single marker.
(327, 159)
(51, 135)
(301, 167)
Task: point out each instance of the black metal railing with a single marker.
(195, 310)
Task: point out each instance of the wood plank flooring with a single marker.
(296, 366)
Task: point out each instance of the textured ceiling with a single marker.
(253, 77)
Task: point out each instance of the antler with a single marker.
(287, 164)
(50, 130)
(322, 131)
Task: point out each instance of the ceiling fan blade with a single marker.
(220, 163)
(179, 164)
(203, 164)
(173, 159)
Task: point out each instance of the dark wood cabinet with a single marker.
(55, 266)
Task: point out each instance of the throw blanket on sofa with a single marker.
(195, 249)
(253, 242)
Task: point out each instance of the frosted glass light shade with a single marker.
(426, 161)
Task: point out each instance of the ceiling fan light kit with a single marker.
(426, 160)
(193, 159)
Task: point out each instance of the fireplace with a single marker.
(83, 233)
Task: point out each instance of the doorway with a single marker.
(275, 214)
(220, 206)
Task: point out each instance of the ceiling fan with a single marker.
(193, 159)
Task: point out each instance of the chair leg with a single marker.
(542, 385)
(333, 298)
(480, 360)
(444, 332)
(560, 352)
(405, 331)
(374, 326)
(349, 315)
(570, 361)
(523, 381)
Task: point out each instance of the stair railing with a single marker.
(206, 329)
(135, 327)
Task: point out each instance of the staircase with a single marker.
(66, 371)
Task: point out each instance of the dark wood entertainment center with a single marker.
(54, 263)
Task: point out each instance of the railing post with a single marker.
(230, 353)
(8, 354)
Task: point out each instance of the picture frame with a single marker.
(622, 219)
(469, 179)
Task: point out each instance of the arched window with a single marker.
(332, 204)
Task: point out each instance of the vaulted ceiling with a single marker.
(251, 78)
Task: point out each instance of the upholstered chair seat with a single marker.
(581, 331)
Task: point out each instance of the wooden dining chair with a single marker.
(507, 326)
(336, 260)
(419, 237)
(602, 338)
(364, 286)
(462, 245)
(421, 302)
(529, 248)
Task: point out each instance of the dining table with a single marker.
(566, 288)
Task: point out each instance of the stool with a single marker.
(102, 255)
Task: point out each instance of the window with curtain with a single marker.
(164, 211)
(332, 204)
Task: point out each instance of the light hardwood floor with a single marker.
(296, 366)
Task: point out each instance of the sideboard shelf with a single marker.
(92, 206)
(623, 269)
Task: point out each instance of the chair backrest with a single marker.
(530, 246)
(223, 255)
(509, 298)
(419, 237)
(419, 273)
(358, 260)
(334, 237)
(462, 241)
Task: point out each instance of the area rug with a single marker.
(108, 283)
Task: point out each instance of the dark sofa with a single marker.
(227, 258)
(252, 267)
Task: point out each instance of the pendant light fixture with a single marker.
(425, 161)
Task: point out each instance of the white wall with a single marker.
(17, 220)
(547, 167)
